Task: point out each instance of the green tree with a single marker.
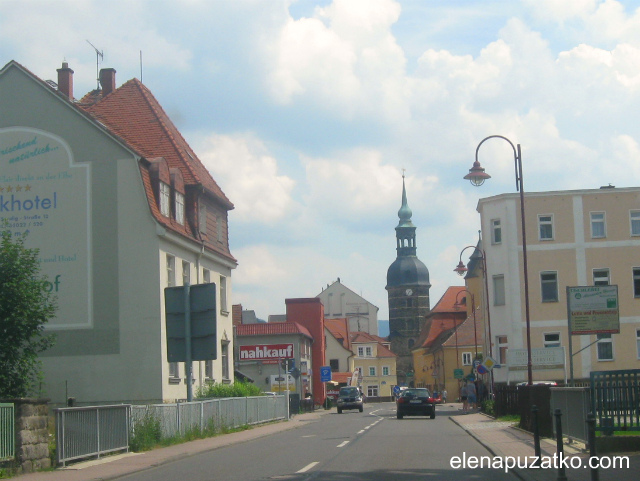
(26, 304)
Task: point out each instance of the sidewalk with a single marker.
(502, 439)
(112, 467)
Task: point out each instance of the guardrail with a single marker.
(83, 432)
(7, 436)
(91, 431)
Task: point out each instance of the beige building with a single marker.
(574, 238)
(341, 302)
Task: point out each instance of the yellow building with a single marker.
(574, 238)
(375, 363)
(450, 339)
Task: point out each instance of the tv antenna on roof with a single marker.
(99, 55)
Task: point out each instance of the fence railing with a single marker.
(506, 400)
(177, 418)
(7, 436)
(92, 431)
(575, 404)
(615, 400)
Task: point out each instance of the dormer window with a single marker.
(179, 208)
(165, 195)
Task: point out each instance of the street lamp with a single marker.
(461, 269)
(477, 176)
(457, 305)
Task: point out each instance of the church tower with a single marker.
(408, 292)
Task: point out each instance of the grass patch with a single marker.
(237, 389)
(511, 418)
(620, 433)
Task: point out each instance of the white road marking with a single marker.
(344, 443)
(307, 467)
(360, 432)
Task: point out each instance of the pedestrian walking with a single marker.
(471, 395)
(444, 396)
(463, 398)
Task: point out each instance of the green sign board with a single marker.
(458, 374)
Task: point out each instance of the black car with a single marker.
(415, 402)
(349, 397)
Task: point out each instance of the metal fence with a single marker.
(178, 418)
(93, 431)
(575, 404)
(615, 400)
(506, 400)
(7, 436)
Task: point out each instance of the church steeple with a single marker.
(408, 292)
(406, 231)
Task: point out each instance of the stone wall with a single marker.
(32, 434)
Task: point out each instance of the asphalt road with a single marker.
(353, 446)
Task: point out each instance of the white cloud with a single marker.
(249, 176)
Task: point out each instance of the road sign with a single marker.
(201, 310)
(325, 374)
(396, 390)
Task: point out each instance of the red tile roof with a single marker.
(133, 114)
(339, 328)
(272, 329)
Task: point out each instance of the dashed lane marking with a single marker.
(308, 467)
(344, 443)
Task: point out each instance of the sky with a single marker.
(308, 112)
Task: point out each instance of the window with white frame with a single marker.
(179, 208)
(208, 369)
(496, 231)
(186, 273)
(638, 342)
(360, 351)
(498, 290)
(165, 196)
(223, 293)
(551, 339)
(636, 282)
(604, 347)
(634, 219)
(545, 227)
(372, 391)
(368, 351)
(503, 346)
(224, 356)
(386, 370)
(467, 358)
(372, 370)
(335, 365)
(601, 277)
(549, 286)
(174, 370)
(171, 270)
(598, 225)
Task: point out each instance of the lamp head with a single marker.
(461, 269)
(477, 175)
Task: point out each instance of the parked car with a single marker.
(350, 397)
(415, 402)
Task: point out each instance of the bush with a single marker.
(147, 433)
(488, 406)
(237, 389)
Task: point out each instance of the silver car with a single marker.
(350, 397)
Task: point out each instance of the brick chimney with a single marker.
(65, 80)
(107, 80)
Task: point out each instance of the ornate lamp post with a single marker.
(457, 304)
(477, 176)
(461, 269)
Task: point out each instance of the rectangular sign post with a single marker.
(190, 313)
(591, 310)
